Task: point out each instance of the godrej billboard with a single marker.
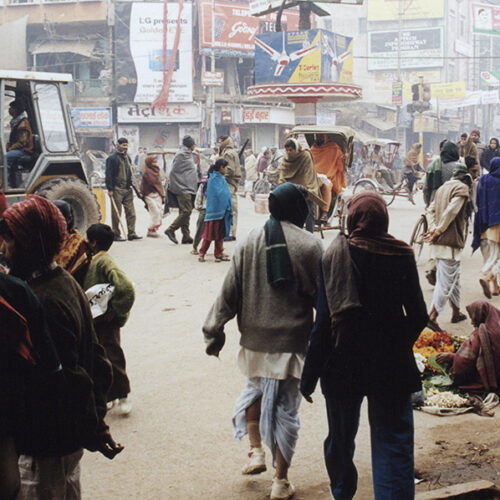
(303, 57)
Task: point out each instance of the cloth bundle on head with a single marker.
(488, 202)
(188, 141)
(367, 225)
(286, 203)
(38, 228)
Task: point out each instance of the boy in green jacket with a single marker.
(103, 269)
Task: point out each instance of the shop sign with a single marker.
(424, 124)
(226, 116)
(91, 118)
(485, 19)
(397, 93)
(212, 78)
(388, 10)
(173, 113)
(490, 97)
(490, 78)
(448, 90)
(256, 115)
(420, 48)
(234, 28)
(131, 133)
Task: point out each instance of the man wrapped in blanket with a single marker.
(271, 286)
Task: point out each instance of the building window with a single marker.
(363, 25)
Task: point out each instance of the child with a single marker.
(219, 212)
(200, 204)
(104, 270)
(153, 193)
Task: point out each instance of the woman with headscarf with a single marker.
(370, 311)
(487, 228)
(153, 193)
(492, 151)
(412, 165)
(476, 364)
(75, 253)
(297, 167)
(271, 287)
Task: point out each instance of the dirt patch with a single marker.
(467, 452)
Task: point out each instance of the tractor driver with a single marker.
(20, 146)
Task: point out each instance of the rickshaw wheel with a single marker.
(363, 185)
(388, 196)
(417, 236)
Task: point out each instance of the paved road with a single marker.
(178, 438)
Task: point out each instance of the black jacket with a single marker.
(113, 169)
(374, 354)
(487, 156)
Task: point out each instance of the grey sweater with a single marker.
(183, 176)
(269, 319)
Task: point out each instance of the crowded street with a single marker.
(179, 439)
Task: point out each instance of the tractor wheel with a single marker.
(78, 195)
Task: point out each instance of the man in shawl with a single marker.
(448, 214)
(153, 193)
(74, 255)
(33, 231)
(183, 183)
(411, 167)
(271, 287)
(475, 136)
(297, 167)
(476, 364)
(487, 228)
(233, 176)
(119, 185)
(370, 311)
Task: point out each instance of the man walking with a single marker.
(271, 287)
(119, 186)
(183, 183)
(448, 214)
(233, 176)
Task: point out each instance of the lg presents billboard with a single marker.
(235, 29)
(139, 51)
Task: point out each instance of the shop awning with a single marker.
(82, 47)
(379, 124)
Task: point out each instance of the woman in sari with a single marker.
(476, 365)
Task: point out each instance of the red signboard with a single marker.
(235, 28)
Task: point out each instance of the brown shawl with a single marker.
(297, 167)
(413, 156)
(151, 179)
(74, 253)
(368, 223)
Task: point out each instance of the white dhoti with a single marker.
(155, 208)
(279, 418)
(491, 258)
(447, 284)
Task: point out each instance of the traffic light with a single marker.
(415, 92)
(421, 95)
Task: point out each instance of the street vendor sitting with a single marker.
(476, 365)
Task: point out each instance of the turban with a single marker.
(38, 228)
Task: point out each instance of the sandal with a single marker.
(222, 258)
(459, 317)
(433, 326)
(486, 288)
(194, 252)
(201, 258)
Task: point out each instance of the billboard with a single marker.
(91, 118)
(388, 10)
(139, 51)
(309, 56)
(235, 29)
(420, 48)
(485, 19)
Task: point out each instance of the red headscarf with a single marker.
(38, 227)
(368, 223)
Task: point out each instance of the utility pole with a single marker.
(400, 23)
(420, 119)
(213, 130)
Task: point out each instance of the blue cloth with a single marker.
(13, 158)
(279, 413)
(488, 202)
(391, 432)
(219, 204)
